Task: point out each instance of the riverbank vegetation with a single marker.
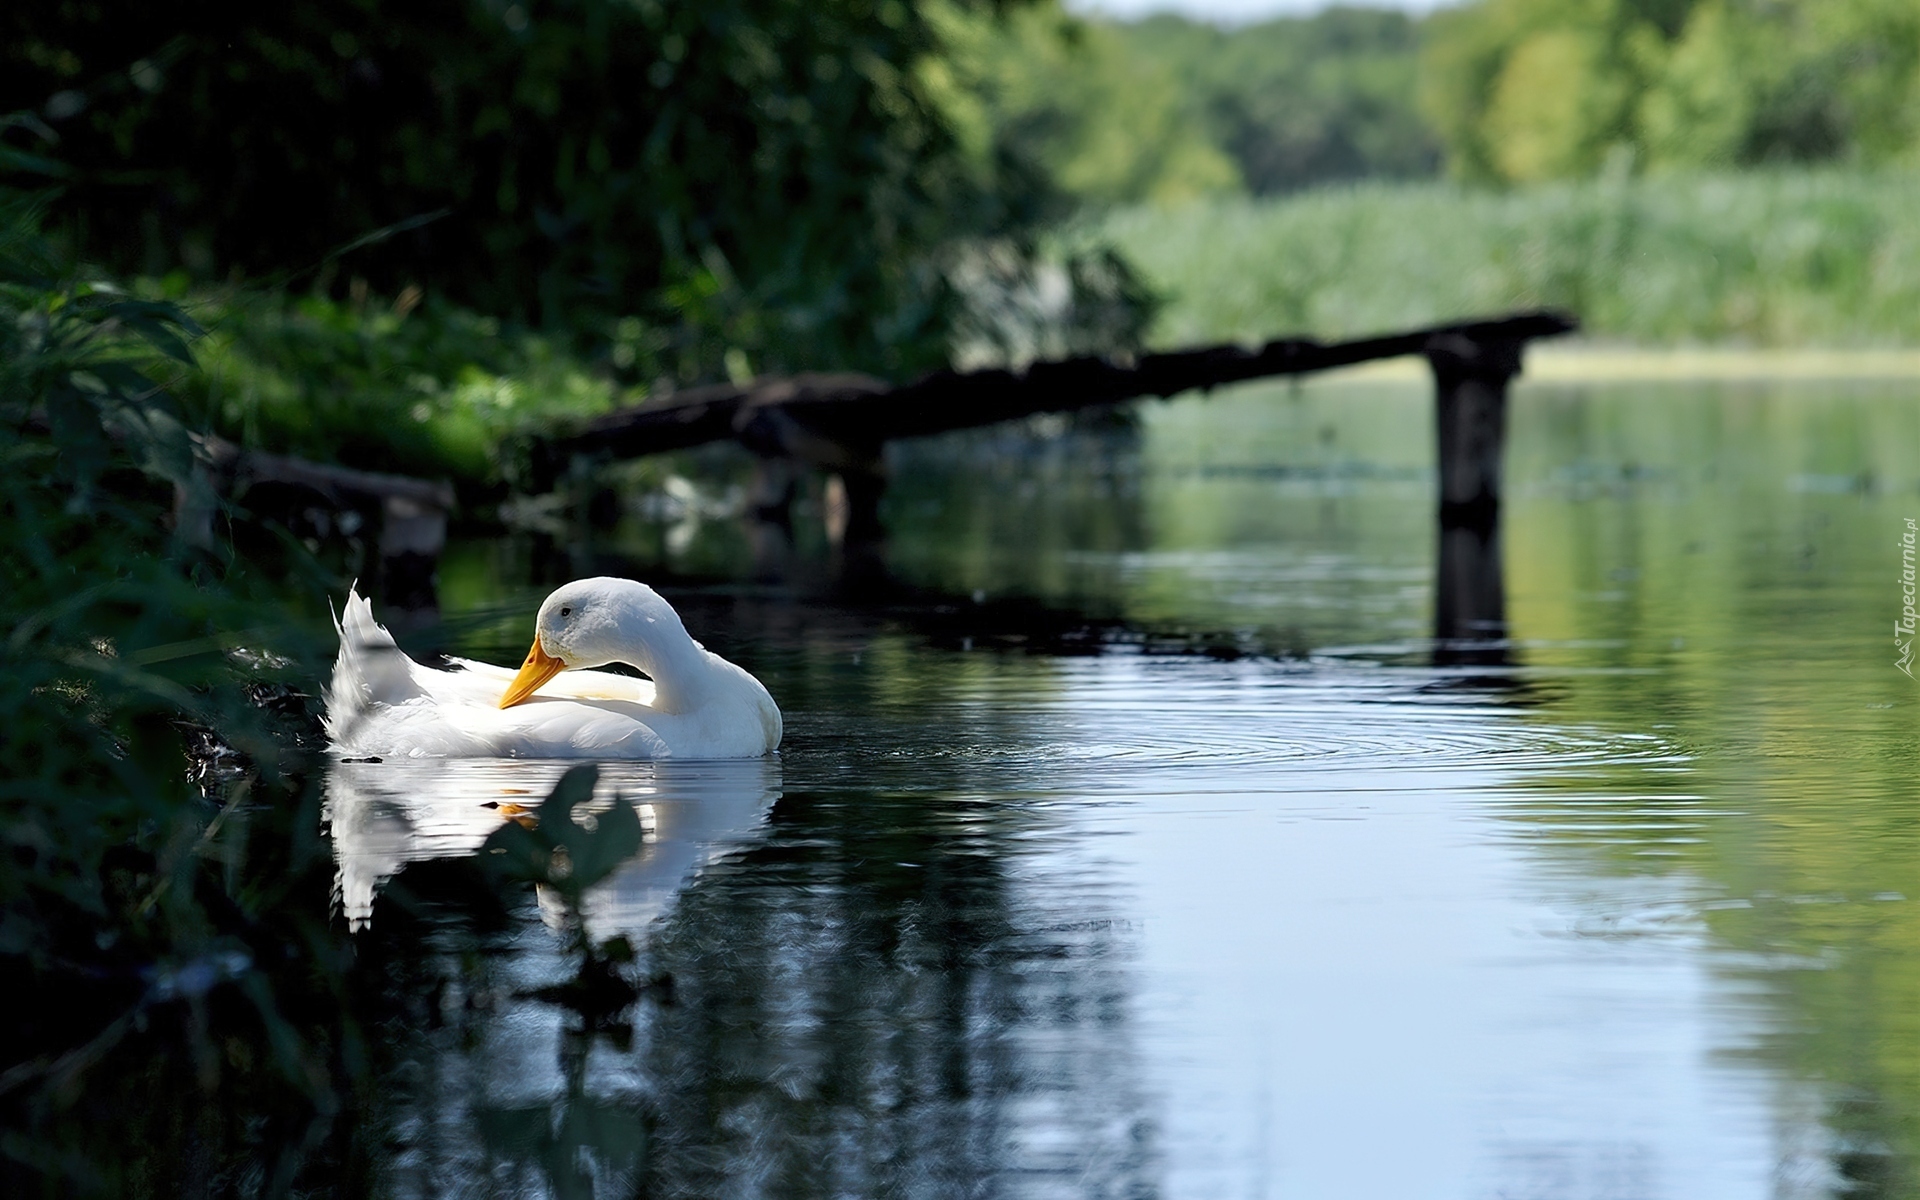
(775, 183)
(483, 220)
(148, 894)
(428, 389)
(1774, 258)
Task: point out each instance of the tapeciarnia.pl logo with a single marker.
(1903, 628)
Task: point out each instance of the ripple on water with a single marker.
(1134, 714)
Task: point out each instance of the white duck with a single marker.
(695, 704)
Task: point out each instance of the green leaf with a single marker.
(18, 160)
(590, 854)
(617, 837)
(517, 852)
(156, 321)
(575, 787)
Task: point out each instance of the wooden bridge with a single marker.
(840, 423)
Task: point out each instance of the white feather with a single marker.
(383, 704)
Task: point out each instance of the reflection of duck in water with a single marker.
(383, 816)
(694, 704)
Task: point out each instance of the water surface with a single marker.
(1301, 914)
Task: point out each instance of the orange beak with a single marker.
(539, 667)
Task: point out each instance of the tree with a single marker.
(1536, 89)
(773, 178)
(1109, 124)
(1302, 100)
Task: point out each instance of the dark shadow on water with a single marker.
(1471, 640)
(855, 993)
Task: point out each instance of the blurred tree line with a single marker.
(1536, 89)
(1303, 100)
(1167, 108)
(1500, 91)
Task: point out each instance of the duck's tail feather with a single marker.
(370, 670)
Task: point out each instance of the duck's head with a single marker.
(593, 622)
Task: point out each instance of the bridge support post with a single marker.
(1470, 379)
(856, 484)
(770, 491)
(856, 480)
(858, 523)
(1470, 406)
(412, 536)
(1470, 599)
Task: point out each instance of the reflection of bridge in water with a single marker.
(840, 424)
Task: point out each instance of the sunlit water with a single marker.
(1628, 917)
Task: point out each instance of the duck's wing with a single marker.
(573, 685)
(557, 727)
(371, 670)
(380, 702)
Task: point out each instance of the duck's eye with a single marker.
(566, 610)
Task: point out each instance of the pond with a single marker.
(1146, 847)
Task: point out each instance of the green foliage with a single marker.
(1542, 89)
(131, 899)
(566, 846)
(1109, 124)
(775, 181)
(1168, 109)
(1767, 258)
(1087, 300)
(165, 913)
(567, 852)
(434, 391)
(1298, 101)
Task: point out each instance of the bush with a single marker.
(434, 391)
(777, 181)
(140, 903)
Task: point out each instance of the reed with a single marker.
(1825, 257)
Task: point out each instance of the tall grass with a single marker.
(418, 388)
(1774, 258)
(155, 925)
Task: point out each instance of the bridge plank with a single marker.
(815, 415)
